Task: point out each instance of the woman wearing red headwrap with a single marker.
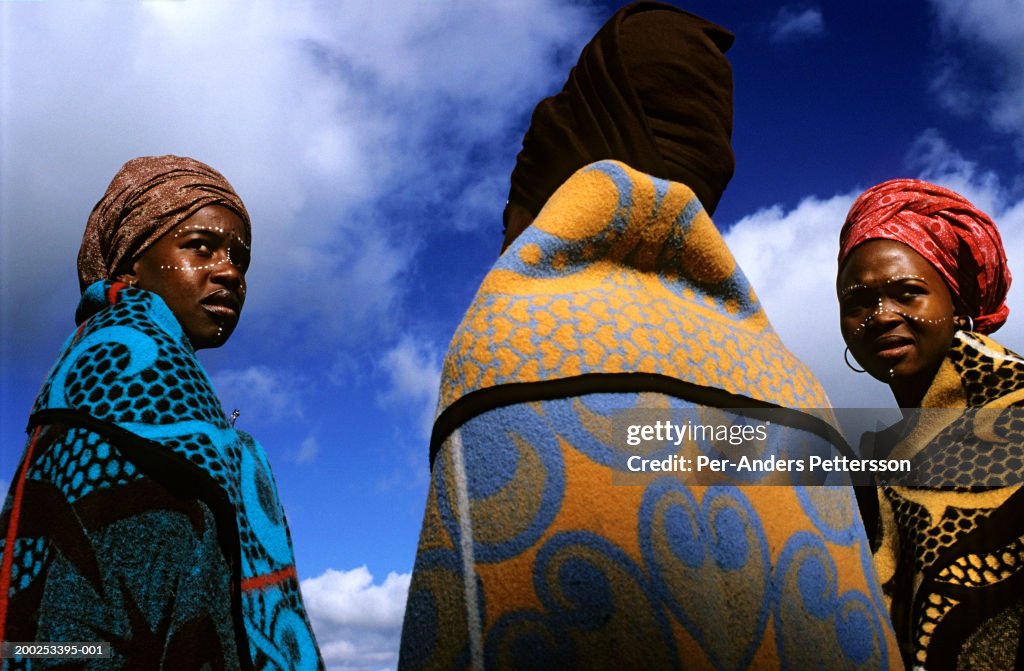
(922, 281)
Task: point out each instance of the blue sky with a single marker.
(372, 144)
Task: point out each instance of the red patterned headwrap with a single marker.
(947, 230)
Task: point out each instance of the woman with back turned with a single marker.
(617, 297)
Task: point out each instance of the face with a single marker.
(198, 268)
(896, 316)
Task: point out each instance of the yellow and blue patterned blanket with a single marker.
(622, 295)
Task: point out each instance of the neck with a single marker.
(910, 391)
(907, 398)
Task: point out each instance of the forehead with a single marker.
(878, 261)
(214, 219)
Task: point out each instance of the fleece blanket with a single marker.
(623, 295)
(139, 516)
(951, 554)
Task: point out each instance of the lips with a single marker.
(892, 346)
(222, 304)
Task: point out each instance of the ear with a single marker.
(129, 277)
(964, 322)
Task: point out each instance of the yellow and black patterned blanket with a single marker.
(951, 554)
(623, 295)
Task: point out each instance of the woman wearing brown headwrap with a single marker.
(548, 542)
(922, 281)
(138, 515)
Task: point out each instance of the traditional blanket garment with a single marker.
(951, 556)
(622, 294)
(950, 548)
(138, 516)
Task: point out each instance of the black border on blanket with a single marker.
(480, 401)
(178, 475)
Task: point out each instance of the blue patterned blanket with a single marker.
(139, 516)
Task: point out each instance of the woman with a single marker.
(138, 515)
(922, 281)
(616, 298)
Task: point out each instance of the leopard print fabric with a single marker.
(952, 552)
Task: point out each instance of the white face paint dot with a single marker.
(214, 229)
(204, 267)
(882, 310)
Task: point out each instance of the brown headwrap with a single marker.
(948, 231)
(653, 89)
(148, 197)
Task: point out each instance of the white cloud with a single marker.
(993, 87)
(792, 24)
(260, 392)
(948, 88)
(936, 160)
(308, 450)
(332, 120)
(357, 622)
(413, 368)
(790, 259)
(941, 163)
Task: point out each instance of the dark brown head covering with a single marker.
(148, 197)
(653, 89)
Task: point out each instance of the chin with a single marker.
(210, 340)
(886, 371)
(883, 376)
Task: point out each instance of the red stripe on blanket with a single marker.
(113, 291)
(268, 579)
(12, 533)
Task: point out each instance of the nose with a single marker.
(227, 273)
(882, 317)
(886, 312)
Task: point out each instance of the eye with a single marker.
(908, 293)
(857, 301)
(239, 256)
(199, 245)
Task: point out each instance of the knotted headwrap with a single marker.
(148, 197)
(653, 89)
(948, 231)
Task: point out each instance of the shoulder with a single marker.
(129, 362)
(107, 304)
(989, 372)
